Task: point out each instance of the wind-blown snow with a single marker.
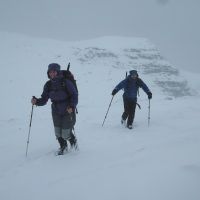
(157, 162)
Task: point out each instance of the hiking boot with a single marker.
(73, 143)
(63, 148)
(129, 126)
(63, 144)
(60, 152)
(123, 121)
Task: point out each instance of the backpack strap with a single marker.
(138, 83)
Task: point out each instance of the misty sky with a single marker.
(172, 25)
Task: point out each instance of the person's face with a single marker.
(134, 76)
(53, 74)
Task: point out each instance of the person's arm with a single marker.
(120, 86)
(44, 97)
(144, 87)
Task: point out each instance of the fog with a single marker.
(172, 25)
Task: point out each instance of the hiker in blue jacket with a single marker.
(64, 98)
(131, 85)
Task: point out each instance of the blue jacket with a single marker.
(131, 87)
(62, 93)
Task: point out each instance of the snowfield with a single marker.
(159, 162)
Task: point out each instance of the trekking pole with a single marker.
(29, 131)
(149, 114)
(107, 110)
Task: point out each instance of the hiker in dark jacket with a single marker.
(64, 98)
(131, 85)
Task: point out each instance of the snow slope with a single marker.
(157, 162)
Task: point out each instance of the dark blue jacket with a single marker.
(62, 93)
(131, 87)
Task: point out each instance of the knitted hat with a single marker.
(53, 66)
(133, 72)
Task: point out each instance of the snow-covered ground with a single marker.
(147, 163)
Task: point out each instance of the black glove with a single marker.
(149, 95)
(114, 92)
(34, 100)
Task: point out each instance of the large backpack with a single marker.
(69, 76)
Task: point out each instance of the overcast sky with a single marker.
(172, 25)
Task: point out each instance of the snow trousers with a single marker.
(63, 125)
(129, 110)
